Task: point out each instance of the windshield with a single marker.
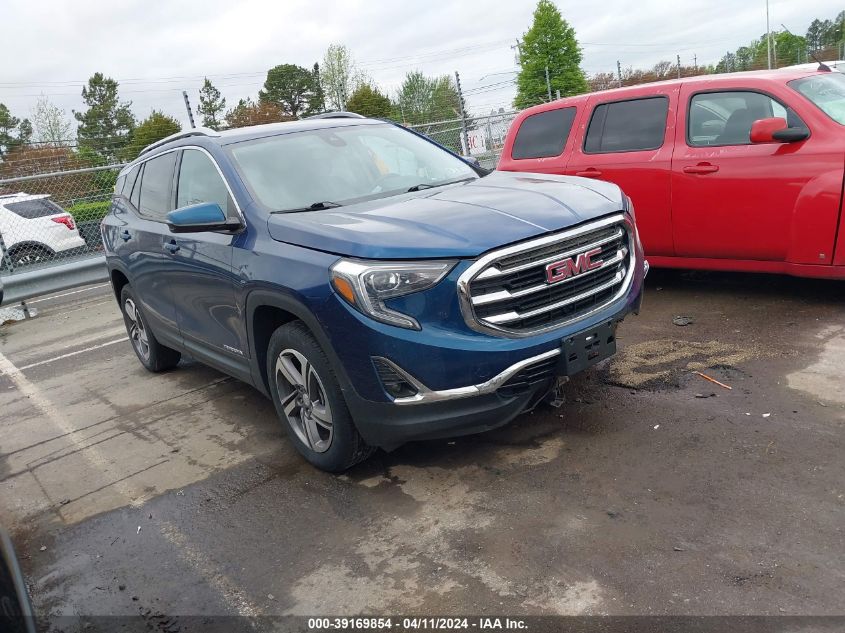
(337, 166)
(826, 91)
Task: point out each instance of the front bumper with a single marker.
(474, 408)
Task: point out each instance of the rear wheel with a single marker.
(309, 401)
(29, 255)
(154, 356)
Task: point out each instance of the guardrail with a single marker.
(63, 276)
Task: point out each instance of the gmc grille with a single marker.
(507, 290)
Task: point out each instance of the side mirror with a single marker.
(472, 160)
(205, 216)
(775, 130)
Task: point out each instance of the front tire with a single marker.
(154, 356)
(309, 401)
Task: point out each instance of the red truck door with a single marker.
(735, 199)
(629, 142)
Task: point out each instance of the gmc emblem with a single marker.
(570, 267)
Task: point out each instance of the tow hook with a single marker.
(556, 397)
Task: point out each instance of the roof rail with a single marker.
(339, 114)
(196, 131)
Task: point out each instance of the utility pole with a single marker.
(548, 83)
(619, 71)
(679, 66)
(188, 108)
(768, 36)
(464, 135)
(515, 48)
(695, 62)
(557, 92)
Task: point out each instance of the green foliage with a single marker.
(339, 77)
(211, 105)
(424, 99)
(369, 101)
(154, 128)
(291, 87)
(8, 125)
(106, 126)
(89, 211)
(550, 42)
(318, 102)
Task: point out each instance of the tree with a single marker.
(249, 113)
(339, 76)
(154, 128)
(291, 87)
(50, 123)
(8, 127)
(369, 101)
(550, 42)
(106, 126)
(424, 99)
(25, 131)
(211, 105)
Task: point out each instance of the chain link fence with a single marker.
(52, 217)
(483, 139)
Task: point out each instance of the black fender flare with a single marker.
(278, 299)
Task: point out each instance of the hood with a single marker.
(462, 220)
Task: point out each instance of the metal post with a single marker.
(679, 66)
(4, 258)
(768, 36)
(465, 136)
(619, 71)
(188, 108)
(548, 83)
(557, 93)
(695, 62)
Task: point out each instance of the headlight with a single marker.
(365, 285)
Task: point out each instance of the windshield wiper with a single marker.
(317, 206)
(429, 185)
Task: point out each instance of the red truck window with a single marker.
(543, 134)
(725, 118)
(627, 126)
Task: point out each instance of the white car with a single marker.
(34, 228)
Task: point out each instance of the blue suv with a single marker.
(376, 286)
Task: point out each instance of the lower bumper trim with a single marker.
(425, 395)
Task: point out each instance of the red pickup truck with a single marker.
(740, 172)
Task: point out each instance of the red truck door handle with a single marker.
(592, 172)
(701, 168)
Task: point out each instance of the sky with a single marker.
(157, 48)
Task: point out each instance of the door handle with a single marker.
(126, 235)
(701, 168)
(589, 173)
(171, 246)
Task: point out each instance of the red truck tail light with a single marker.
(66, 220)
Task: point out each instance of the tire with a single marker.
(154, 356)
(309, 401)
(29, 255)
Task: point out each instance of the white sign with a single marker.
(477, 142)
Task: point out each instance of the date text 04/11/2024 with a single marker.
(415, 623)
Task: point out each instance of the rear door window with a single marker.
(156, 187)
(627, 126)
(725, 118)
(543, 134)
(135, 198)
(130, 181)
(31, 209)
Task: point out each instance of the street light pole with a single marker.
(768, 36)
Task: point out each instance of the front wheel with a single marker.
(309, 401)
(154, 356)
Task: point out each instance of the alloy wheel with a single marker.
(304, 400)
(137, 331)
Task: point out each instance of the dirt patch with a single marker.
(663, 363)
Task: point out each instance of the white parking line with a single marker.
(67, 294)
(232, 595)
(69, 354)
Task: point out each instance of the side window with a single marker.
(135, 196)
(725, 118)
(129, 182)
(543, 134)
(120, 184)
(627, 126)
(199, 181)
(156, 185)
